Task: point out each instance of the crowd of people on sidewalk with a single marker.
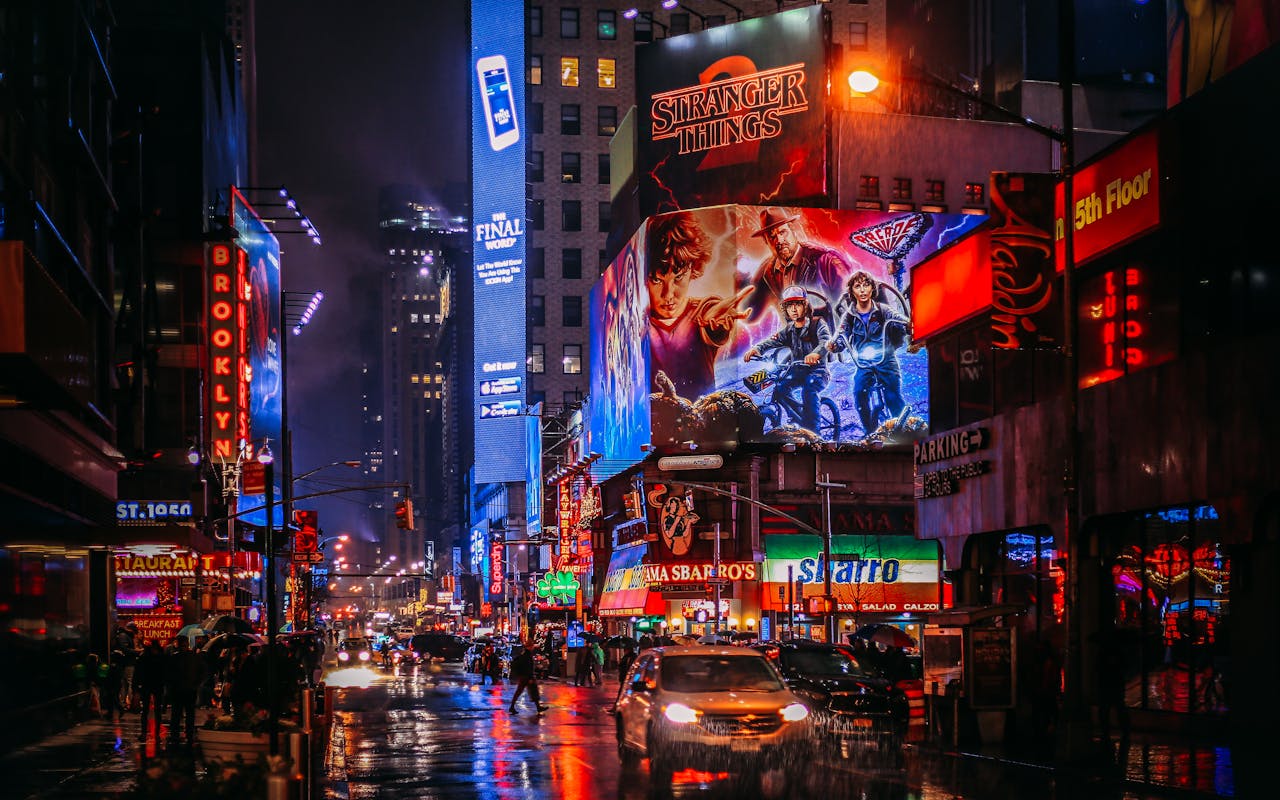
(187, 673)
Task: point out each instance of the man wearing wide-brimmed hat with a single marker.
(793, 263)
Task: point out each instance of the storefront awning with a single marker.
(625, 592)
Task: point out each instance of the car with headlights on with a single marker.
(709, 706)
(355, 650)
(848, 699)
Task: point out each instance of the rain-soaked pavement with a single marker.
(442, 735)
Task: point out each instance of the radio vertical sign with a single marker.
(498, 226)
(228, 417)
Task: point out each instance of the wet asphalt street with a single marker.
(439, 734)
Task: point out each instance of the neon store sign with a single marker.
(1119, 333)
(229, 371)
(743, 108)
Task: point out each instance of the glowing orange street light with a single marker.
(862, 82)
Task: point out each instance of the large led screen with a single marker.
(260, 250)
(498, 207)
(619, 410)
(1209, 38)
(735, 114)
(768, 325)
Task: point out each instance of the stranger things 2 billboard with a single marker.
(735, 114)
(722, 365)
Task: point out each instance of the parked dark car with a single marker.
(849, 699)
(440, 646)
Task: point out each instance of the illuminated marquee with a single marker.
(156, 563)
(1114, 199)
(228, 375)
(496, 585)
(744, 108)
(659, 574)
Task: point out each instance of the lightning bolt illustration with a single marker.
(942, 236)
(764, 198)
(653, 173)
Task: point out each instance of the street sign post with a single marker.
(671, 463)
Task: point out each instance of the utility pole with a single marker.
(829, 601)
(715, 568)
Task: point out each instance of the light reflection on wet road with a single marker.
(441, 735)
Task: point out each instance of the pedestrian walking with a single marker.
(185, 673)
(489, 665)
(522, 674)
(624, 663)
(149, 679)
(597, 663)
(581, 667)
(126, 643)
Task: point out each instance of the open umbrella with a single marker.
(685, 639)
(224, 640)
(887, 635)
(619, 642)
(227, 624)
(745, 636)
(663, 641)
(191, 632)
(712, 638)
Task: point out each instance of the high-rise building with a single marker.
(405, 391)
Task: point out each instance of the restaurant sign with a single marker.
(156, 561)
(665, 574)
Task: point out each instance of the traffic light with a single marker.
(632, 504)
(404, 515)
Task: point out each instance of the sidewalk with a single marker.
(1172, 766)
(95, 759)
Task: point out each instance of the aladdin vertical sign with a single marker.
(498, 228)
(228, 371)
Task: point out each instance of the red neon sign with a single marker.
(1113, 200)
(227, 320)
(495, 568)
(1120, 330)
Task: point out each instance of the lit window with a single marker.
(974, 194)
(537, 361)
(535, 70)
(413, 379)
(606, 24)
(572, 360)
(395, 328)
(568, 71)
(935, 191)
(868, 186)
(606, 70)
(901, 188)
(413, 317)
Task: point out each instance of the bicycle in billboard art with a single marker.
(779, 325)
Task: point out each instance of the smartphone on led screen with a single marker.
(499, 103)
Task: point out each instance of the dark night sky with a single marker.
(351, 96)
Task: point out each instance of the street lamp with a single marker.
(1075, 718)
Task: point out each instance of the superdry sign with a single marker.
(735, 114)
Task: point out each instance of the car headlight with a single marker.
(679, 712)
(343, 656)
(364, 655)
(794, 712)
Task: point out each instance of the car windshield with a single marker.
(824, 662)
(355, 644)
(712, 673)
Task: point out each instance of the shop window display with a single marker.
(1171, 581)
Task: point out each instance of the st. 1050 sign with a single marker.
(134, 512)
